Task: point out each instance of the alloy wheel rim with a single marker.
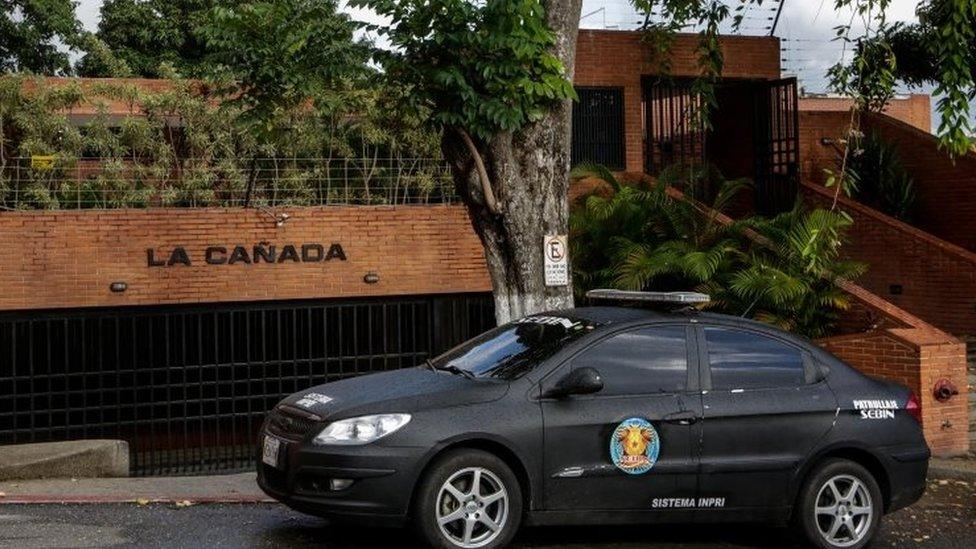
(472, 507)
(843, 511)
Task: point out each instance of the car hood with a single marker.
(408, 390)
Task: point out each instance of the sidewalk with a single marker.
(961, 468)
(237, 488)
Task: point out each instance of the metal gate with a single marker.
(188, 387)
(674, 132)
(777, 146)
(598, 127)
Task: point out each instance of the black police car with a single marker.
(604, 415)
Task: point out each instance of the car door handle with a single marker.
(682, 418)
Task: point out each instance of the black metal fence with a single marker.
(188, 387)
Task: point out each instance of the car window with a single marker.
(510, 351)
(644, 361)
(746, 360)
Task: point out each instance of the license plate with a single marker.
(272, 451)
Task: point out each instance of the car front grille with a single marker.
(292, 423)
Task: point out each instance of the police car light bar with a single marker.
(649, 297)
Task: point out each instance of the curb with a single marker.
(98, 499)
(90, 458)
(951, 473)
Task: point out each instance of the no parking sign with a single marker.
(556, 252)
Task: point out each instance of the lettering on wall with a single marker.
(259, 253)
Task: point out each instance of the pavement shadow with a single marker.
(338, 536)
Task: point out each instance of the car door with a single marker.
(649, 395)
(765, 407)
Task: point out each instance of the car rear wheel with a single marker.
(469, 499)
(840, 506)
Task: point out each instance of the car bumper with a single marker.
(908, 468)
(382, 481)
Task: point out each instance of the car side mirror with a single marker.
(580, 381)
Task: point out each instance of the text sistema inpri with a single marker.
(263, 252)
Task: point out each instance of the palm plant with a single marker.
(789, 275)
(644, 236)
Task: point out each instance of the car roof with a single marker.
(610, 315)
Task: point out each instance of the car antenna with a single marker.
(649, 299)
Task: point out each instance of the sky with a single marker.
(805, 27)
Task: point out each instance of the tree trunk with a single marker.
(529, 172)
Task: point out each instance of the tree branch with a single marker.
(486, 188)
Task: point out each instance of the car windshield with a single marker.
(510, 351)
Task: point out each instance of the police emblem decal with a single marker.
(634, 446)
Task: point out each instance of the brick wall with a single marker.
(621, 58)
(946, 205)
(914, 109)
(904, 349)
(945, 187)
(69, 258)
(937, 279)
(814, 156)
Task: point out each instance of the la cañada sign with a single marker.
(259, 253)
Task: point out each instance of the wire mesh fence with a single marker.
(102, 183)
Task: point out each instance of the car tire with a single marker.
(839, 506)
(447, 511)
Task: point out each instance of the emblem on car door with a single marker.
(634, 446)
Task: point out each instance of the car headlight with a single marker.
(361, 430)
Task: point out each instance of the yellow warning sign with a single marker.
(42, 162)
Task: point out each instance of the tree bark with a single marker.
(529, 174)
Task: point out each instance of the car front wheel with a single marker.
(469, 499)
(840, 506)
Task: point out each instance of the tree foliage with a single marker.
(149, 34)
(99, 60)
(177, 147)
(486, 67)
(940, 49)
(271, 57)
(660, 236)
(30, 34)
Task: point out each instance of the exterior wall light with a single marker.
(371, 278)
(118, 287)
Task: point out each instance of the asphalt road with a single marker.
(944, 518)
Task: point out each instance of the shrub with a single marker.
(658, 236)
(879, 178)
